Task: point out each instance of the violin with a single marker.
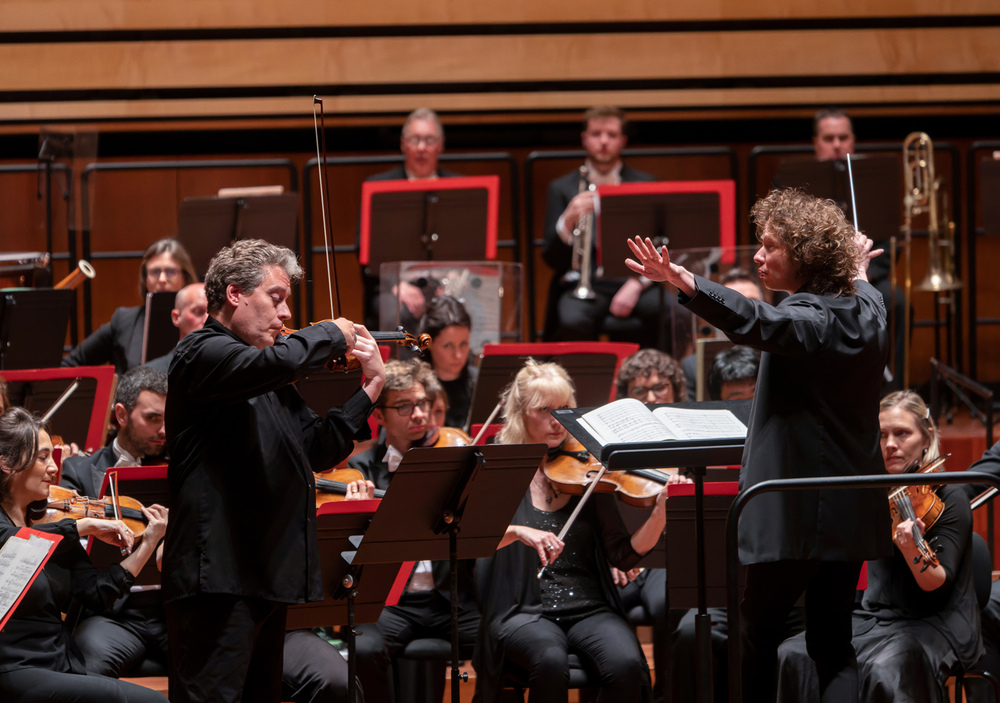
(451, 437)
(919, 503)
(573, 468)
(347, 363)
(66, 503)
(331, 486)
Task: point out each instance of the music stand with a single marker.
(694, 455)
(591, 365)
(677, 214)
(207, 224)
(352, 592)
(83, 417)
(159, 335)
(450, 219)
(877, 188)
(33, 325)
(989, 186)
(450, 503)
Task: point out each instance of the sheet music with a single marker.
(20, 560)
(689, 423)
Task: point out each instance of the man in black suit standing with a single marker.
(815, 414)
(568, 203)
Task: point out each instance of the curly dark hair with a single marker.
(646, 361)
(819, 238)
(242, 264)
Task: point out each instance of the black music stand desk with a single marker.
(450, 503)
(696, 456)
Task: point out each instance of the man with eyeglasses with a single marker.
(422, 142)
(424, 609)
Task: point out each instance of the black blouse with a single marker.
(35, 636)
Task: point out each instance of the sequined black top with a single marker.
(569, 586)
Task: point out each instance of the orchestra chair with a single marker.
(419, 668)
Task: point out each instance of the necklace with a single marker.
(548, 490)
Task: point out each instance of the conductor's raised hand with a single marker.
(367, 353)
(655, 265)
(867, 251)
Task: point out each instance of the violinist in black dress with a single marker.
(534, 623)
(918, 619)
(814, 414)
(38, 658)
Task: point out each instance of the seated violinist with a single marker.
(424, 609)
(38, 659)
(919, 618)
(534, 623)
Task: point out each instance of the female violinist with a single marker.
(38, 659)
(448, 323)
(533, 622)
(917, 621)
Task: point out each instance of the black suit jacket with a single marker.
(85, 474)
(815, 413)
(556, 253)
(118, 342)
(240, 436)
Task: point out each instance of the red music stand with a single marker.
(83, 418)
(449, 219)
(675, 209)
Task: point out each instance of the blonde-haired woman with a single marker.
(534, 623)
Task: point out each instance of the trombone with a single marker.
(922, 190)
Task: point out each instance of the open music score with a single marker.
(629, 420)
(21, 560)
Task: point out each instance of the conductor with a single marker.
(243, 446)
(815, 413)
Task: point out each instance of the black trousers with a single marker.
(604, 642)
(771, 592)
(314, 671)
(115, 644)
(33, 685)
(418, 615)
(226, 649)
(583, 320)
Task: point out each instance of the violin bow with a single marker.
(577, 509)
(113, 487)
(489, 421)
(332, 282)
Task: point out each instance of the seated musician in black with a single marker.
(448, 323)
(424, 610)
(917, 621)
(165, 267)
(116, 642)
(38, 659)
(534, 623)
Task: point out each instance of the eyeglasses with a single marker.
(169, 272)
(416, 140)
(659, 390)
(406, 409)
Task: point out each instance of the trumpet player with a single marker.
(577, 307)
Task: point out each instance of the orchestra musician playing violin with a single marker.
(534, 623)
(919, 618)
(243, 448)
(424, 609)
(116, 642)
(814, 414)
(38, 658)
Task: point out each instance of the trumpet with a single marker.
(83, 271)
(583, 245)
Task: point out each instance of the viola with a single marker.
(347, 363)
(573, 469)
(331, 486)
(919, 502)
(66, 503)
